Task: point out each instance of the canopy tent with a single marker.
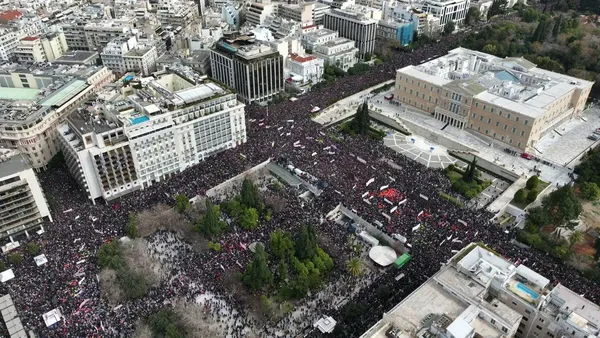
(402, 260)
(6, 275)
(382, 255)
(52, 317)
(40, 260)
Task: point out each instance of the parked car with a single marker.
(527, 156)
(593, 137)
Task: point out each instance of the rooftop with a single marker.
(30, 38)
(13, 165)
(78, 56)
(300, 58)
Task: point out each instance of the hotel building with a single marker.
(142, 130)
(480, 294)
(506, 101)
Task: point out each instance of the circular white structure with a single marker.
(383, 255)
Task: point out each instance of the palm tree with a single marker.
(576, 237)
(354, 266)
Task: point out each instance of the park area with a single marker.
(466, 182)
(528, 194)
(264, 263)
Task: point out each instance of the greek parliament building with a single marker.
(141, 130)
(35, 99)
(253, 68)
(23, 206)
(478, 293)
(506, 101)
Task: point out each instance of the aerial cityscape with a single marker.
(330, 168)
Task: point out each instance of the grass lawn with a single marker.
(541, 186)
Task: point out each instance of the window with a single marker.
(505, 330)
(473, 116)
(476, 104)
(481, 118)
(541, 320)
(505, 127)
(524, 318)
(517, 119)
(538, 327)
(489, 121)
(514, 130)
(417, 94)
(486, 131)
(494, 135)
(492, 110)
(526, 122)
(493, 321)
(502, 138)
(411, 92)
(497, 123)
(522, 133)
(508, 116)
(484, 107)
(550, 334)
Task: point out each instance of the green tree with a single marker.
(282, 271)
(215, 246)
(33, 249)
(597, 247)
(472, 17)
(15, 258)
(306, 245)
(249, 195)
(164, 323)
(266, 305)
(110, 256)
(354, 266)
(211, 224)
(182, 202)
(249, 219)
(281, 244)
(498, 7)
(326, 260)
(532, 182)
(131, 226)
(361, 122)
(469, 174)
(576, 237)
(449, 27)
(562, 205)
(589, 191)
(530, 15)
(531, 196)
(233, 208)
(520, 196)
(258, 275)
(560, 251)
(556, 28)
(134, 285)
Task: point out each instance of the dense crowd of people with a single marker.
(69, 280)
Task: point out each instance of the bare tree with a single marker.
(142, 330)
(138, 259)
(277, 203)
(109, 286)
(160, 217)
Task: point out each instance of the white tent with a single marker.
(52, 317)
(6, 275)
(40, 260)
(325, 324)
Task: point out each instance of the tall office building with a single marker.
(141, 130)
(478, 293)
(447, 10)
(354, 24)
(23, 206)
(253, 68)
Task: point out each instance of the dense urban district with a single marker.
(345, 168)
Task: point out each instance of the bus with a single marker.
(402, 260)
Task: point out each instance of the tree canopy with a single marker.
(306, 244)
(562, 205)
(281, 244)
(257, 274)
(211, 224)
(449, 27)
(250, 196)
(182, 202)
(361, 122)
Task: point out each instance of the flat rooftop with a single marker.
(78, 56)
(13, 165)
(7, 93)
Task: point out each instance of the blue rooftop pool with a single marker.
(140, 119)
(534, 295)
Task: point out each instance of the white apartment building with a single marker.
(253, 68)
(141, 60)
(478, 293)
(95, 35)
(163, 125)
(339, 52)
(176, 13)
(43, 48)
(356, 23)
(33, 101)
(423, 23)
(23, 207)
(129, 8)
(30, 50)
(447, 10)
(301, 13)
(305, 69)
(15, 26)
(257, 12)
(318, 36)
(125, 54)
(112, 54)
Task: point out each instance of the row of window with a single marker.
(500, 113)
(502, 137)
(489, 121)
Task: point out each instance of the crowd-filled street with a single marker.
(346, 163)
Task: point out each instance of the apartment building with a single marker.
(306, 13)
(423, 22)
(447, 10)
(176, 13)
(34, 100)
(95, 35)
(162, 125)
(141, 60)
(506, 101)
(355, 23)
(15, 26)
(42, 48)
(257, 12)
(252, 67)
(478, 293)
(23, 207)
(401, 31)
(318, 36)
(125, 54)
